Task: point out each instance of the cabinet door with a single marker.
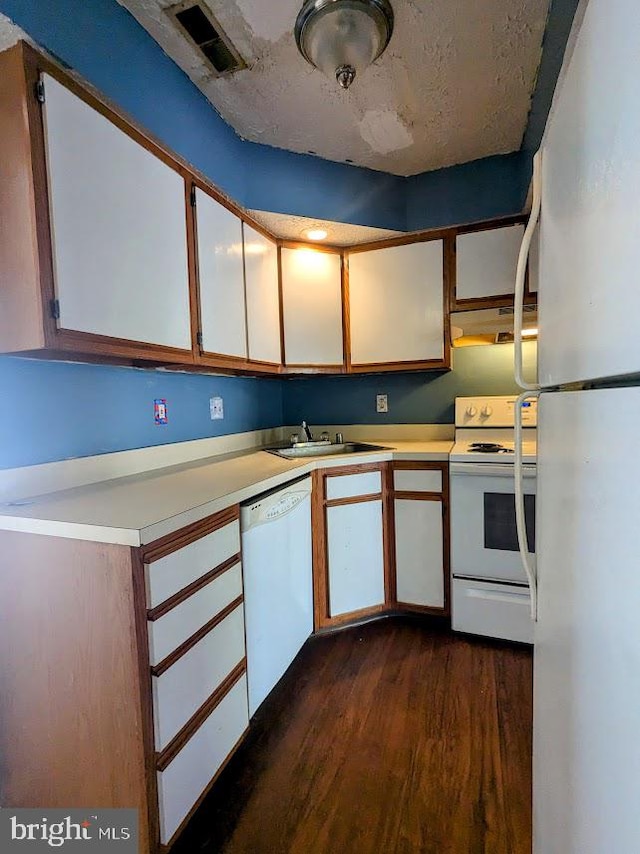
(419, 552)
(118, 228)
(263, 298)
(486, 262)
(312, 302)
(220, 278)
(396, 304)
(355, 557)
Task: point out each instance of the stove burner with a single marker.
(488, 448)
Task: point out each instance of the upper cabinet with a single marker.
(111, 247)
(223, 325)
(486, 262)
(396, 307)
(95, 260)
(262, 297)
(118, 228)
(312, 308)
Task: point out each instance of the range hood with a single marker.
(489, 326)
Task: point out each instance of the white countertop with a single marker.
(139, 509)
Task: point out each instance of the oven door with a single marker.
(484, 539)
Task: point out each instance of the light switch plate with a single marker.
(216, 408)
(382, 403)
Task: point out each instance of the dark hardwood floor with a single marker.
(384, 739)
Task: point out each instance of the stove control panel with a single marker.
(494, 411)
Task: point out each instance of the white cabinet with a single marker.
(118, 226)
(396, 304)
(181, 783)
(196, 640)
(262, 295)
(355, 557)
(312, 305)
(486, 262)
(352, 527)
(221, 278)
(419, 552)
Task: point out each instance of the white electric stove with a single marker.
(490, 594)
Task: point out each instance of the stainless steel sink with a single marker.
(322, 449)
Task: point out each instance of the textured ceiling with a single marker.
(291, 227)
(454, 85)
(10, 34)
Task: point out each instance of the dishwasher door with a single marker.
(278, 583)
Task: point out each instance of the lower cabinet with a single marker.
(420, 536)
(380, 540)
(197, 664)
(355, 557)
(163, 626)
(350, 543)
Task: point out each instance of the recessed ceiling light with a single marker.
(530, 333)
(316, 233)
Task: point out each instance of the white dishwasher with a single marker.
(278, 584)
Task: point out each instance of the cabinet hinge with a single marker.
(192, 196)
(54, 308)
(40, 91)
(199, 339)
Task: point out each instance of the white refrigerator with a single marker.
(586, 764)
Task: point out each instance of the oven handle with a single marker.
(491, 469)
(521, 523)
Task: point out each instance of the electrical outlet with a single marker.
(216, 408)
(382, 403)
(160, 415)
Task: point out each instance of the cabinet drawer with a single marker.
(417, 480)
(170, 574)
(185, 779)
(350, 485)
(181, 689)
(178, 624)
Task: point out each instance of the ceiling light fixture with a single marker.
(530, 333)
(316, 233)
(343, 37)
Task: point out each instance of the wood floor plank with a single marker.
(392, 737)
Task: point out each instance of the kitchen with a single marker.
(257, 505)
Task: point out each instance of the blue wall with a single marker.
(420, 398)
(54, 410)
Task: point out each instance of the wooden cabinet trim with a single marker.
(188, 591)
(319, 506)
(379, 367)
(146, 695)
(165, 757)
(353, 499)
(338, 471)
(190, 533)
(417, 496)
(196, 637)
(441, 497)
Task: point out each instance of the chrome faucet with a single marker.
(307, 431)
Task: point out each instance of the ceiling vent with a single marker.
(198, 24)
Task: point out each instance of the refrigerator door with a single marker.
(589, 299)
(587, 654)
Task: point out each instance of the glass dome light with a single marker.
(343, 37)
